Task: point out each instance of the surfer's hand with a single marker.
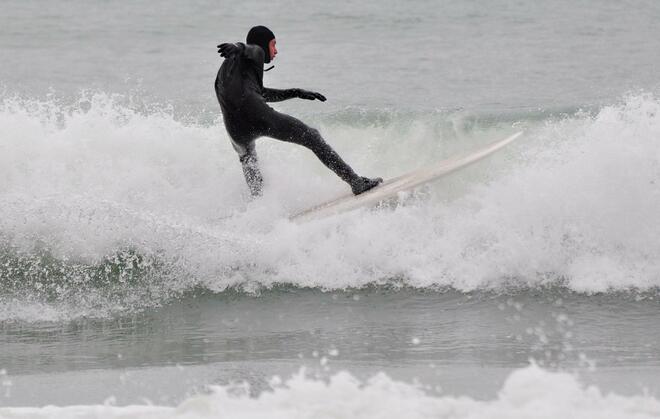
(304, 94)
(227, 50)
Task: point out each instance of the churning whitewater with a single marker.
(108, 207)
(528, 392)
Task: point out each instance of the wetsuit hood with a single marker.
(261, 36)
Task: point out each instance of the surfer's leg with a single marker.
(248, 158)
(252, 173)
(287, 128)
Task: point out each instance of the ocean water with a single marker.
(137, 278)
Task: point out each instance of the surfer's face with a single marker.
(272, 48)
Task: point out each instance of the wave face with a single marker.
(528, 392)
(107, 208)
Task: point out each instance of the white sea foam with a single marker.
(573, 202)
(527, 393)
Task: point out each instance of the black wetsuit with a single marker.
(242, 97)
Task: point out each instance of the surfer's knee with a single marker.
(241, 145)
(313, 134)
(311, 138)
(248, 158)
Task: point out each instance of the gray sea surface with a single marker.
(499, 55)
(454, 343)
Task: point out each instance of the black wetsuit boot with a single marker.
(363, 184)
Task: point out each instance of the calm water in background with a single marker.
(420, 54)
(132, 264)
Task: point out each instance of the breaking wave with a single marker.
(108, 208)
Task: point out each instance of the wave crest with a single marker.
(573, 203)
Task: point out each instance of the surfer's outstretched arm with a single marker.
(278, 95)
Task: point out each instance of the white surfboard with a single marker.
(392, 187)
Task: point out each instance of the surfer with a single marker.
(242, 97)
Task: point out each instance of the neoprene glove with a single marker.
(227, 50)
(305, 94)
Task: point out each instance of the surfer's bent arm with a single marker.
(278, 95)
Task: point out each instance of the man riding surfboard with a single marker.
(242, 97)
